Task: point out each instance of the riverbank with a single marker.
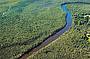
(71, 45)
(54, 36)
(24, 25)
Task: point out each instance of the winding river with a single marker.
(57, 33)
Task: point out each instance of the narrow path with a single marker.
(57, 33)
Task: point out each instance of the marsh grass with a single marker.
(72, 44)
(24, 24)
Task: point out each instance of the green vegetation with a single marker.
(88, 36)
(72, 44)
(25, 23)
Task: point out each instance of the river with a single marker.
(59, 32)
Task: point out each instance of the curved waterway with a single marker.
(57, 33)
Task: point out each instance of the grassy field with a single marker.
(25, 23)
(72, 44)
